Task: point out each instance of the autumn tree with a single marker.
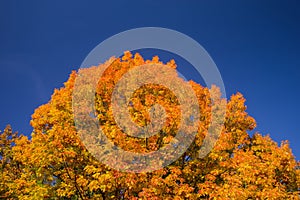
(9, 168)
(55, 164)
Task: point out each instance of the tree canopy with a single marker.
(55, 164)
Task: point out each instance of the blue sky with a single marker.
(255, 44)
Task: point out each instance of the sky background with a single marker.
(255, 44)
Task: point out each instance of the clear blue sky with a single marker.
(255, 44)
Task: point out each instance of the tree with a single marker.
(56, 164)
(9, 168)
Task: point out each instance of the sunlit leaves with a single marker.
(55, 164)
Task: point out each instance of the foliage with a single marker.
(55, 164)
